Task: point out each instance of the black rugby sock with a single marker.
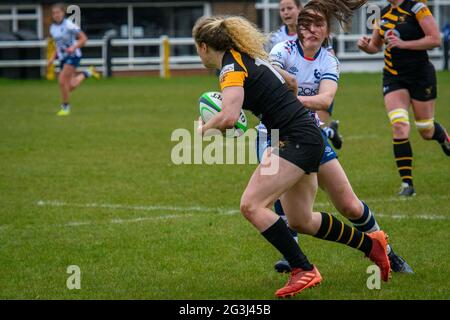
(404, 158)
(335, 230)
(279, 236)
(439, 133)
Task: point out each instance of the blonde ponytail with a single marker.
(233, 32)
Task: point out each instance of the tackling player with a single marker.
(289, 11)
(316, 73)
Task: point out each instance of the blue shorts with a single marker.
(73, 61)
(330, 109)
(329, 153)
(263, 141)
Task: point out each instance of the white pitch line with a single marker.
(141, 219)
(221, 211)
(391, 199)
(361, 137)
(179, 216)
(55, 203)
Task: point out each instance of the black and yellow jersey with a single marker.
(267, 96)
(403, 21)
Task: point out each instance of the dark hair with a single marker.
(320, 11)
(60, 6)
(298, 3)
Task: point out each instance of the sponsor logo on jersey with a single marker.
(307, 91)
(317, 75)
(293, 70)
(227, 68)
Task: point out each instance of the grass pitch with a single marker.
(98, 190)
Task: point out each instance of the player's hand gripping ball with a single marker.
(210, 103)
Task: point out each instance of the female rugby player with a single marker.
(317, 71)
(289, 10)
(69, 39)
(248, 81)
(408, 29)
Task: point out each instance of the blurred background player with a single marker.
(248, 81)
(308, 58)
(69, 39)
(408, 29)
(289, 10)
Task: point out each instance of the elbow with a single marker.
(327, 103)
(291, 83)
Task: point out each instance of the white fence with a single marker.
(353, 59)
(118, 64)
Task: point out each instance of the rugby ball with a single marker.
(210, 103)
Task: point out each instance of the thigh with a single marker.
(298, 202)
(68, 71)
(333, 180)
(263, 189)
(399, 99)
(423, 110)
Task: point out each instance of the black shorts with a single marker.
(421, 84)
(306, 156)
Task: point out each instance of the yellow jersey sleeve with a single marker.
(232, 79)
(421, 11)
(233, 71)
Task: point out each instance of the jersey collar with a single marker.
(61, 23)
(300, 50)
(286, 30)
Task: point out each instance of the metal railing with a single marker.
(132, 63)
(119, 63)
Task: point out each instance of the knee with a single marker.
(248, 208)
(62, 79)
(400, 123)
(400, 130)
(426, 134)
(351, 209)
(303, 227)
(425, 128)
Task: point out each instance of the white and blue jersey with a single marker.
(65, 35)
(309, 73)
(280, 35)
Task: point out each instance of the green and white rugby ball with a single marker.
(210, 103)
